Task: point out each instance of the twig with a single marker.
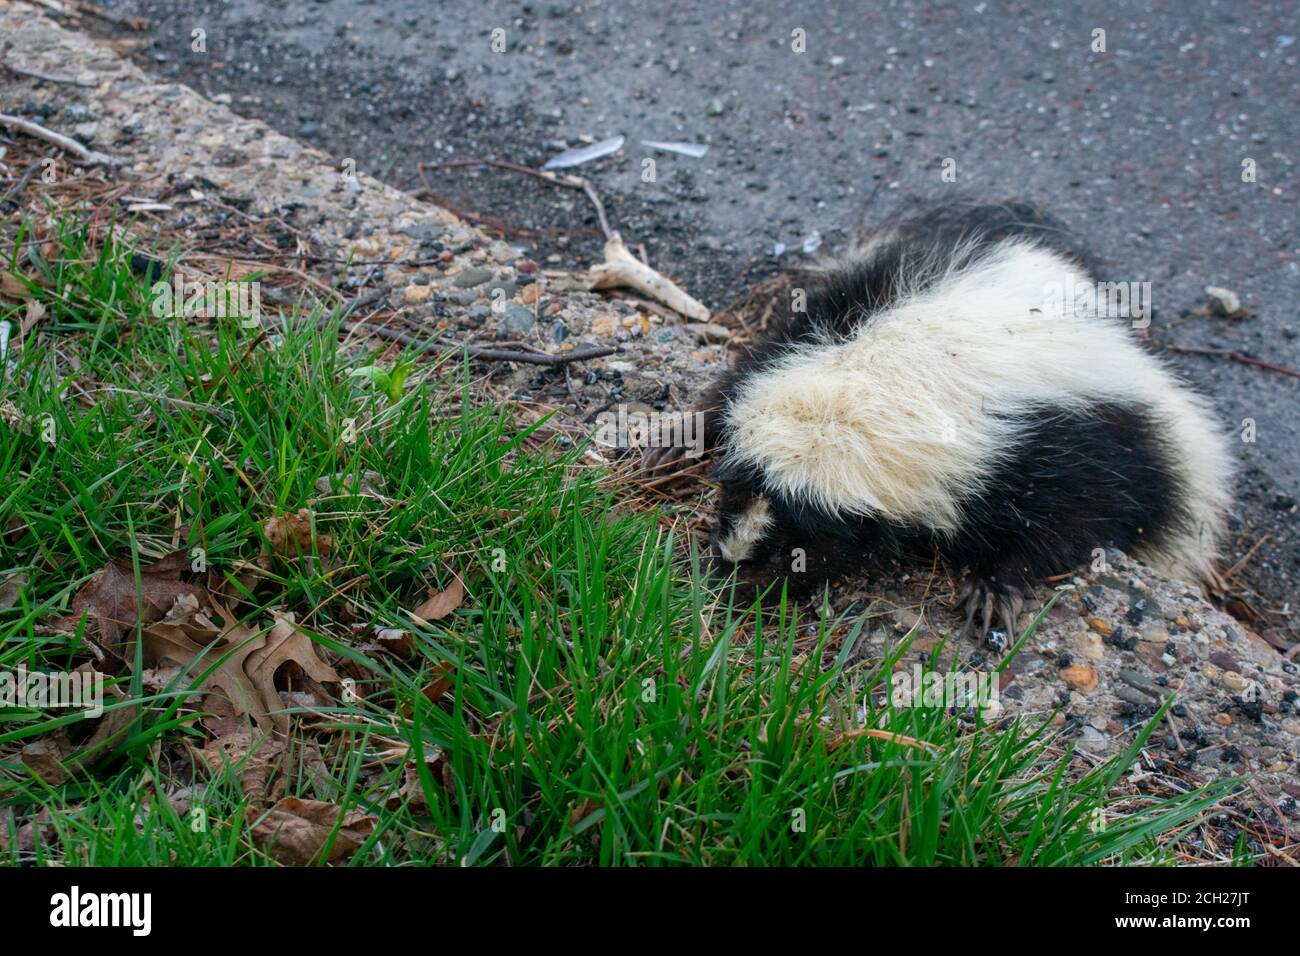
(1234, 356)
(474, 351)
(568, 182)
(139, 24)
(1245, 558)
(88, 156)
(621, 268)
(479, 352)
(21, 184)
(47, 77)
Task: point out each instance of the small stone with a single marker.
(1093, 739)
(473, 276)
(1154, 633)
(1223, 302)
(1100, 626)
(1234, 681)
(1089, 646)
(1225, 661)
(530, 294)
(517, 319)
(714, 107)
(905, 619)
(1082, 677)
(417, 293)
(1223, 720)
(606, 323)
(526, 266)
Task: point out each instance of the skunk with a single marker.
(948, 386)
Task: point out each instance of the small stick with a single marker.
(21, 184)
(47, 77)
(479, 352)
(621, 268)
(1234, 356)
(568, 182)
(139, 24)
(474, 351)
(1245, 558)
(88, 156)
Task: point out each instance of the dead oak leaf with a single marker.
(291, 535)
(286, 642)
(114, 606)
(440, 603)
(197, 645)
(296, 832)
(10, 588)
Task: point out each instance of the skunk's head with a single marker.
(764, 538)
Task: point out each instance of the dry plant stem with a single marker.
(478, 351)
(1235, 357)
(89, 157)
(473, 351)
(46, 77)
(621, 268)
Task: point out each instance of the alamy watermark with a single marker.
(917, 688)
(51, 690)
(214, 299)
(625, 429)
(1120, 300)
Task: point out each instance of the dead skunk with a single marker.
(961, 383)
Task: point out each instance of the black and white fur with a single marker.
(929, 398)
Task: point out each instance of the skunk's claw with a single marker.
(994, 602)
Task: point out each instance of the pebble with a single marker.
(1101, 627)
(1224, 302)
(1082, 677)
(1093, 739)
(531, 294)
(473, 276)
(1089, 646)
(1155, 633)
(517, 319)
(417, 293)
(605, 324)
(1234, 681)
(1223, 720)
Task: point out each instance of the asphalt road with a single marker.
(1140, 147)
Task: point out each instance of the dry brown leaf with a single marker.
(45, 757)
(35, 312)
(396, 641)
(440, 603)
(236, 743)
(295, 831)
(285, 643)
(180, 640)
(114, 607)
(10, 589)
(291, 535)
(112, 725)
(11, 286)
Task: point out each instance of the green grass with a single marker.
(609, 705)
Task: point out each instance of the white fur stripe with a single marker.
(746, 532)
